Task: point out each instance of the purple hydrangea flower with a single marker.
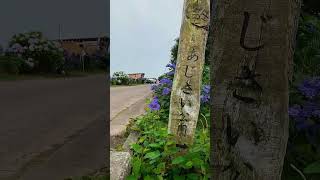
(170, 73)
(316, 113)
(294, 111)
(166, 81)
(204, 98)
(308, 92)
(310, 88)
(302, 114)
(154, 105)
(172, 66)
(154, 87)
(205, 95)
(166, 91)
(309, 107)
(206, 89)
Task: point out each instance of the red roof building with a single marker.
(136, 75)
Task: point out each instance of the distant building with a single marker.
(136, 75)
(89, 45)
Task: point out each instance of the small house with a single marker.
(136, 75)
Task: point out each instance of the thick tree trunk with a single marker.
(185, 96)
(251, 54)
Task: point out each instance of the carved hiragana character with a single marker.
(244, 32)
(193, 55)
(187, 89)
(186, 74)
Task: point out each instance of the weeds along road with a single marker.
(52, 128)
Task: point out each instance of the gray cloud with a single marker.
(78, 18)
(142, 34)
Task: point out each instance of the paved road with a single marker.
(123, 97)
(52, 129)
(125, 103)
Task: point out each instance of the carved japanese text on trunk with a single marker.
(250, 58)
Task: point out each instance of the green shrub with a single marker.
(120, 78)
(307, 52)
(157, 157)
(46, 56)
(302, 152)
(10, 65)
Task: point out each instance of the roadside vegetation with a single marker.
(31, 55)
(303, 149)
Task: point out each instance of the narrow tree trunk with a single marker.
(251, 55)
(185, 96)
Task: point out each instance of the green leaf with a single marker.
(137, 148)
(188, 165)
(131, 177)
(136, 166)
(193, 176)
(197, 149)
(152, 155)
(197, 162)
(170, 143)
(176, 177)
(178, 160)
(160, 177)
(155, 145)
(142, 139)
(160, 168)
(313, 168)
(148, 178)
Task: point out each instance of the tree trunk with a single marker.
(251, 44)
(185, 96)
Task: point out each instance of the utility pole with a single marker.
(82, 55)
(60, 33)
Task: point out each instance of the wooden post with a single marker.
(185, 96)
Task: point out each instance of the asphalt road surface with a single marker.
(52, 129)
(125, 103)
(124, 96)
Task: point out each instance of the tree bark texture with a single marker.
(251, 44)
(185, 96)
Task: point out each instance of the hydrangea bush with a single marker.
(303, 149)
(162, 91)
(306, 111)
(155, 155)
(39, 53)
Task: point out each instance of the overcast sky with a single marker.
(78, 18)
(142, 34)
